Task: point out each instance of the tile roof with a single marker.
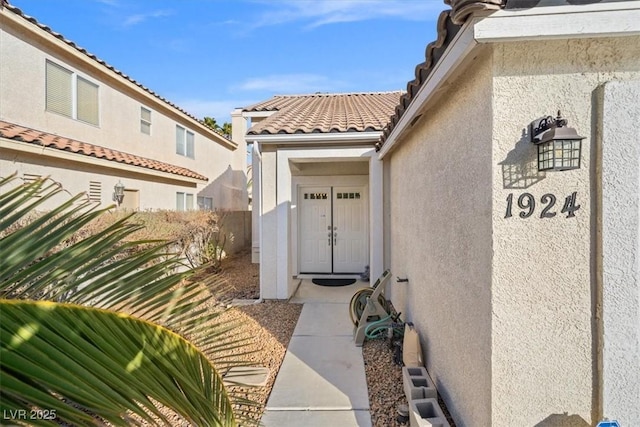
(449, 23)
(462, 9)
(18, 12)
(43, 139)
(325, 113)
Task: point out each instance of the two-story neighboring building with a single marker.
(66, 114)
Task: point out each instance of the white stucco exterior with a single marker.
(508, 306)
(441, 240)
(279, 171)
(620, 234)
(25, 49)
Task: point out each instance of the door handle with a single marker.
(335, 239)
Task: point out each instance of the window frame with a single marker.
(185, 146)
(75, 80)
(144, 121)
(182, 207)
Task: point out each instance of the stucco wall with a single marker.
(440, 204)
(619, 120)
(544, 281)
(157, 193)
(281, 171)
(22, 99)
(268, 226)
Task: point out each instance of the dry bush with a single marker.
(195, 235)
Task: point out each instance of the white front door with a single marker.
(333, 235)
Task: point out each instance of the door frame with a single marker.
(324, 181)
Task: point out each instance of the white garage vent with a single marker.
(30, 178)
(95, 191)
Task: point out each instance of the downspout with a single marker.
(258, 174)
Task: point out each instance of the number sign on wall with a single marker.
(527, 205)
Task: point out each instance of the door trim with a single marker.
(331, 181)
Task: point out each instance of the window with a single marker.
(205, 203)
(185, 142)
(184, 201)
(87, 101)
(348, 195)
(71, 95)
(59, 90)
(145, 121)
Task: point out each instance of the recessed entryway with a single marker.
(333, 232)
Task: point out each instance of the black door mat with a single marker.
(334, 282)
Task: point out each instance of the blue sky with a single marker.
(210, 56)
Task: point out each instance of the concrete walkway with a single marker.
(321, 381)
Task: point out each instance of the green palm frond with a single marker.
(40, 260)
(104, 364)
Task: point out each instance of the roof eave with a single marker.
(463, 43)
(603, 19)
(27, 147)
(595, 20)
(319, 138)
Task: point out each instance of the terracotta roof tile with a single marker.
(449, 23)
(461, 9)
(43, 139)
(325, 113)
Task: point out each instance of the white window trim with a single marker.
(185, 143)
(74, 93)
(184, 207)
(144, 121)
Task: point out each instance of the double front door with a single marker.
(333, 234)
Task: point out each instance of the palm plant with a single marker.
(103, 329)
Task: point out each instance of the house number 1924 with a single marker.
(527, 204)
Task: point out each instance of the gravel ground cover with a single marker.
(271, 324)
(384, 381)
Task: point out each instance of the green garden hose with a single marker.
(376, 328)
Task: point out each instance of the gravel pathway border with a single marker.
(272, 324)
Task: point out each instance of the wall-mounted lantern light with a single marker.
(118, 192)
(559, 146)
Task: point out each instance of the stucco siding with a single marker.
(22, 100)
(620, 227)
(544, 355)
(440, 214)
(268, 226)
(156, 193)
